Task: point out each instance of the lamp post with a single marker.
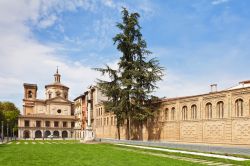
(13, 130)
(7, 131)
(2, 136)
(43, 128)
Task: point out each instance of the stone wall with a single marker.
(226, 124)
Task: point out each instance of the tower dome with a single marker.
(56, 89)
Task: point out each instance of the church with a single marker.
(50, 116)
(215, 117)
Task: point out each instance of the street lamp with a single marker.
(2, 136)
(7, 131)
(13, 130)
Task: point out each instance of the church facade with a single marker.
(50, 116)
(216, 117)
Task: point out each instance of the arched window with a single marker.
(173, 113)
(38, 134)
(29, 94)
(194, 112)
(58, 93)
(65, 134)
(220, 109)
(209, 111)
(239, 107)
(166, 114)
(184, 113)
(26, 134)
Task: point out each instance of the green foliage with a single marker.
(132, 83)
(9, 114)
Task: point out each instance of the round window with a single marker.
(59, 111)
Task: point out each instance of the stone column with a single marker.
(19, 133)
(88, 133)
(60, 133)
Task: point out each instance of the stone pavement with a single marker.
(193, 160)
(226, 149)
(186, 152)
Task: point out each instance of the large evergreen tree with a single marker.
(131, 85)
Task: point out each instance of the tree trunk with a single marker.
(128, 128)
(140, 130)
(118, 130)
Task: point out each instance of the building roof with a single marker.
(242, 84)
(82, 95)
(56, 85)
(30, 85)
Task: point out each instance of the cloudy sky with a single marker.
(198, 42)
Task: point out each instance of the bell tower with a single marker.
(30, 91)
(30, 94)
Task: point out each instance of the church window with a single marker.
(220, 109)
(173, 113)
(64, 124)
(56, 123)
(59, 111)
(209, 111)
(47, 123)
(29, 94)
(38, 123)
(166, 114)
(72, 124)
(58, 93)
(27, 123)
(194, 111)
(239, 107)
(49, 95)
(184, 113)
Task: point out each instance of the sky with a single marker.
(198, 42)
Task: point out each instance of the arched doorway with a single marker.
(56, 133)
(47, 133)
(38, 134)
(26, 134)
(65, 134)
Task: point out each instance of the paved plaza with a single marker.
(209, 148)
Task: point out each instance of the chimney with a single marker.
(213, 88)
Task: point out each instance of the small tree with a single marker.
(9, 115)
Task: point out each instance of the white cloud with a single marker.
(24, 59)
(217, 2)
(109, 3)
(45, 23)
